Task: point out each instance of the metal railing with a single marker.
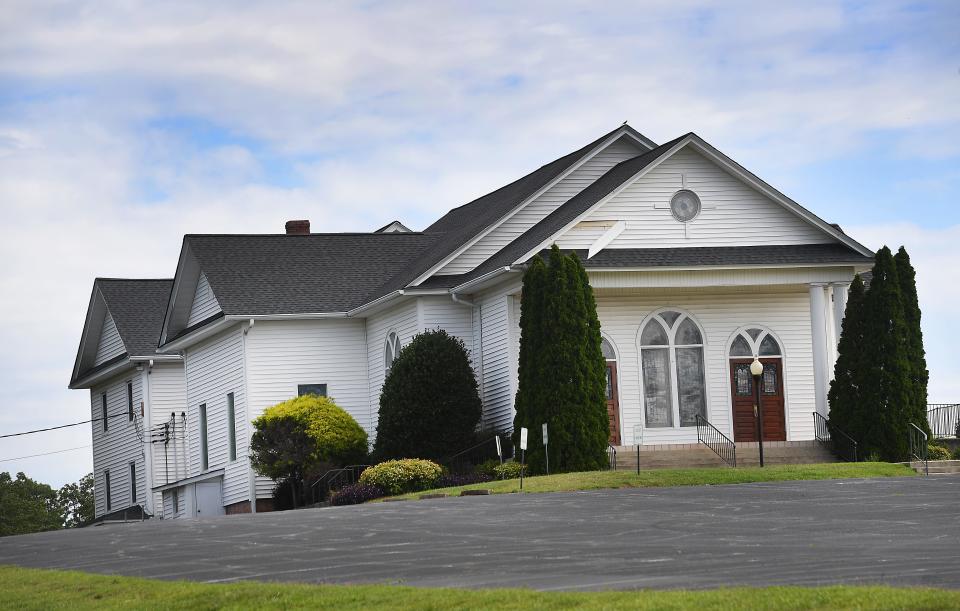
(710, 436)
(611, 457)
(467, 460)
(918, 446)
(334, 480)
(842, 445)
(944, 419)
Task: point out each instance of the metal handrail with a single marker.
(918, 446)
(710, 436)
(611, 457)
(331, 478)
(474, 455)
(834, 438)
(944, 419)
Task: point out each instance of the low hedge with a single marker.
(935, 452)
(402, 476)
(356, 494)
(508, 470)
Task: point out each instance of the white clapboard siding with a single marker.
(214, 368)
(498, 334)
(441, 312)
(205, 303)
(733, 214)
(402, 320)
(167, 394)
(283, 354)
(720, 313)
(115, 448)
(109, 345)
(169, 510)
(550, 200)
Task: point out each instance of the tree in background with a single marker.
(845, 406)
(916, 410)
(301, 437)
(429, 406)
(561, 367)
(76, 502)
(27, 506)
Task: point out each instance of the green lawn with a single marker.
(657, 478)
(38, 589)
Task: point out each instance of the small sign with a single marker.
(499, 451)
(544, 433)
(637, 434)
(523, 438)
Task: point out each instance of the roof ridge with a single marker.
(302, 235)
(108, 279)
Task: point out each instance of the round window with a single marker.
(685, 205)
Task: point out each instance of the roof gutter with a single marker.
(482, 281)
(103, 374)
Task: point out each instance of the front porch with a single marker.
(697, 455)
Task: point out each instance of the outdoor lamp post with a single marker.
(756, 368)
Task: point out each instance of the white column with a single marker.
(818, 331)
(840, 290)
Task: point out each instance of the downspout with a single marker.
(477, 310)
(145, 416)
(251, 476)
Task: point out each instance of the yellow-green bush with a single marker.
(404, 475)
(294, 438)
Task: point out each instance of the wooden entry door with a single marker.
(613, 403)
(771, 398)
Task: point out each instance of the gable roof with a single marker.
(290, 274)
(137, 307)
(709, 256)
(463, 223)
(574, 207)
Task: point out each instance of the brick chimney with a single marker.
(298, 227)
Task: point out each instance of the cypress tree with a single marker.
(885, 392)
(561, 378)
(919, 376)
(845, 406)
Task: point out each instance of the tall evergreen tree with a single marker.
(561, 378)
(885, 393)
(845, 407)
(907, 276)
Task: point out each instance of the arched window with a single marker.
(390, 352)
(671, 356)
(750, 343)
(755, 342)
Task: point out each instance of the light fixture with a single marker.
(756, 367)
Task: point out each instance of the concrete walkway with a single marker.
(896, 531)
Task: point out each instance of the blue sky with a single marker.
(124, 125)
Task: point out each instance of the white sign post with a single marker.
(546, 451)
(523, 453)
(638, 441)
(499, 450)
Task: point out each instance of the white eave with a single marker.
(103, 374)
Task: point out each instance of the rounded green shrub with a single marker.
(404, 475)
(956, 453)
(935, 452)
(302, 437)
(429, 405)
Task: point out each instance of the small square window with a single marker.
(312, 389)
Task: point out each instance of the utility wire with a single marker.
(63, 426)
(45, 453)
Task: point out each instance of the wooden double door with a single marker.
(613, 403)
(771, 400)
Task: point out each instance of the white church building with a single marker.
(697, 266)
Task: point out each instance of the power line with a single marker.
(63, 426)
(45, 453)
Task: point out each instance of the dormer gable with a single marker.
(110, 345)
(205, 303)
(193, 301)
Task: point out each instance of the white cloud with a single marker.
(381, 111)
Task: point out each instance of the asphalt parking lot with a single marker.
(901, 531)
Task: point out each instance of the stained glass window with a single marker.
(769, 346)
(673, 359)
(656, 387)
(654, 335)
(769, 386)
(740, 347)
(743, 380)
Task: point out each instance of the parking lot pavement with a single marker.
(902, 531)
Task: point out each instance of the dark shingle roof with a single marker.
(577, 205)
(463, 223)
(785, 254)
(137, 307)
(287, 274)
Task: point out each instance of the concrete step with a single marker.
(698, 455)
(936, 467)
